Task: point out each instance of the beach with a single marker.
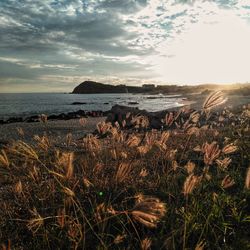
(58, 129)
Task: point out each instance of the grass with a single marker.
(184, 187)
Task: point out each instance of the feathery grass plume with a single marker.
(113, 153)
(86, 182)
(164, 136)
(22, 148)
(223, 164)
(20, 131)
(74, 231)
(103, 127)
(190, 167)
(36, 222)
(4, 160)
(191, 182)
(133, 141)
(200, 246)
(213, 100)
(8, 247)
(211, 152)
(123, 155)
(98, 168)
(143, 173)
(146, 244)
(194, 117)
(92, 144)
(117, 125)
(148, 211)
(34, 174)
(151, 138)
(143, 149)
(43, 118)
(128, 115)
(140, 121)
(162, 142)
(197, 149)
(68, 192)
(100, 212)
(82, 121)
(122, 172)
(230, 148)
(169, 119)
(68, 139)
(119, 238)
(66, 161)
(42, 142)
(61, 215)
(124, 123)
(174, 165)
(247, 180)
(18, 187)
(193, 131)
(227, 182)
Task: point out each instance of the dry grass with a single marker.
(185, 187)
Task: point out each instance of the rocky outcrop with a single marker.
(90, 87)
(63, 116)
(119, 113)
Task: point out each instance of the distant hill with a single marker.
(90, 87)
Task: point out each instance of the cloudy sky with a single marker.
(52, 45)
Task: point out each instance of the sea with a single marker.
(28, 104)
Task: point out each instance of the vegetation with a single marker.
(182, 188)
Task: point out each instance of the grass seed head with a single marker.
(191, 182)
(230, 148)
(247, 180)
(146, 244)
(227, 182)
(213, 100)
(148, 211)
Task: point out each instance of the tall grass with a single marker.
(185, 187)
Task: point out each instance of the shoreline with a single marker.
(57, 130)
(57, 127)
(194, 101)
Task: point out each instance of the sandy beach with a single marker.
(56, 129)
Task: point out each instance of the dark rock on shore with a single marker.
(119, 113)
(133, 103)
(78, 103)
(63, 116)
(34, 118)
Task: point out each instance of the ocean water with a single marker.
(27, 104)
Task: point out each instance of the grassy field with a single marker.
(186, 186)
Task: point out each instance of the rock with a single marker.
(79, 103)
(2, 122)
(14, 119)
(34, 118)
(133, 103)
(118, 114)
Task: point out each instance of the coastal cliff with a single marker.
(91, 87)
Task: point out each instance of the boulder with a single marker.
(118, 114)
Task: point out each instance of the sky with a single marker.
(53, 45)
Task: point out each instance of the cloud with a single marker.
(114, 39)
